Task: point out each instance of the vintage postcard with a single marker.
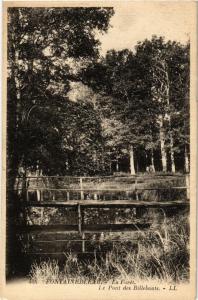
(99, 150)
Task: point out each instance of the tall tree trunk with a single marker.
(117, 166)
(172, 154)
(13, 152)
(187, 164)
(161, 93)
(102, 163)
(110, 169)
(162, 145)
(152, 160)
(168, 117)
(132, 164)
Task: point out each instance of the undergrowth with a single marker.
(162, 254)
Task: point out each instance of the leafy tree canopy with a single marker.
(42, 44)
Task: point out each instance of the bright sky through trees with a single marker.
(137, 21)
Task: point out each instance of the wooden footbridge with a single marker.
(136, 193)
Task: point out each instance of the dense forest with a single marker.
(72, 111)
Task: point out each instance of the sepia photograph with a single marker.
(98, 147)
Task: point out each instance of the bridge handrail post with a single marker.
(81, 189)
(187, 177)
(136, 191)
(26, 183)
(79, 218)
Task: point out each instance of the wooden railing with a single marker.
(82, 196)
(100, 188)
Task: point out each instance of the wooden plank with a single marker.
(115, 227)
(57, 254)
(46, 228)
(64, 235)
(85, 240)
(81, 190)
(55, 247)
(71, 203)
(86, 228)
(129, 203)
(113, 203)
(79, 219)
(188, 185)
(111, 176)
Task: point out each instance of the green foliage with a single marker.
(42, 42)
(162, 255)
(51, 48)
(141, 86)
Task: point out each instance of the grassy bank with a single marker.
(162, 254)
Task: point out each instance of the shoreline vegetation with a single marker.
(162, 255)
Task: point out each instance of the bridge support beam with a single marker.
(79, 218)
